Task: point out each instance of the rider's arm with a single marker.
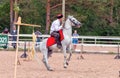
(57, 26)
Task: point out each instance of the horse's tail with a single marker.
(41, 46)
(37, 48)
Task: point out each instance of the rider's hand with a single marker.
(63, 24)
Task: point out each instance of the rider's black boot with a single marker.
(59, 45)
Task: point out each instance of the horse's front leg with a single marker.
(70, 53)
(65, 57)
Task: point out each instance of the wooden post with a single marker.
(118, 54)
(81, 51)
(33, 44)
(81, 57)
(16, 54)
(16, 57)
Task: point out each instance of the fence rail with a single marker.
(93, 40)
(103, 41)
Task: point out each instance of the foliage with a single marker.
(4, 15)
(93, 14)
(33, 12)
(16, 7)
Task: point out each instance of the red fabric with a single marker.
(51, 40)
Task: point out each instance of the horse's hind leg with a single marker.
(45, 61)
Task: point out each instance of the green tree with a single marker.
(4, 15)
(98, 17)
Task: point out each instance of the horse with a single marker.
(67, 33)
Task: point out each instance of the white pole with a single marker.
(63, 10)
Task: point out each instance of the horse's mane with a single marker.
(70, 16)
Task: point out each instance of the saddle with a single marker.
(51, 40)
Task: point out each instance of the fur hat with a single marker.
(59, 16)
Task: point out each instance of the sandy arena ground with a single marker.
(93, 66)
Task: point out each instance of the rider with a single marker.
(55, 27)
(54, 32)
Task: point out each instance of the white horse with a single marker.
(67, 32)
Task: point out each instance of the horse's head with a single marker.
(74, 21)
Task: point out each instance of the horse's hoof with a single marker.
(65, 66)
(50, 69)
(67, 63)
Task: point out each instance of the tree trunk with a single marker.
(47, 16)
(63, 10)
(15, 13)
(111, 12)
(11, 14)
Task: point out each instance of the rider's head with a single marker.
(60, 16)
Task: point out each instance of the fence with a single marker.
(99, 44)
(85, 42)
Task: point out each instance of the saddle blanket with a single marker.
(51, 40)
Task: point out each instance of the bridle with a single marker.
(72, 21)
